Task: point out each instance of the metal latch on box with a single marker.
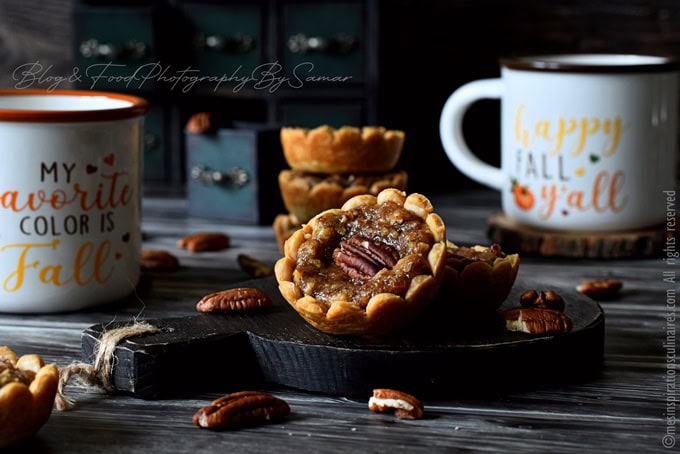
(236, 177)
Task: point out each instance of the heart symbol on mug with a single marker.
(91, 169)
(118, 255)
(110, 159)
(125, 237)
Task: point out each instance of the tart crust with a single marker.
(334, 300)
(371, 149)
(284, 226)
(306, 195)
(477, 279)
(27, 395)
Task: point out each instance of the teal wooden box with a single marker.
(232, 175)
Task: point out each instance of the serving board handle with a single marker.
(185, 354)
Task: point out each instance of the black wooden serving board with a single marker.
(442, 355)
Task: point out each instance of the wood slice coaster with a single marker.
(518, 238)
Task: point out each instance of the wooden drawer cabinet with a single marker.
(322, 53)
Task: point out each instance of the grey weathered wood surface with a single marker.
(621, 410)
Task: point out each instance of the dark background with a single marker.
(426, 49)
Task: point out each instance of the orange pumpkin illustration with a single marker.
(524, 198)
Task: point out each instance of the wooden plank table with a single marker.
(623, 409)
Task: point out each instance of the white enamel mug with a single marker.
(588, 141)
(70, 198)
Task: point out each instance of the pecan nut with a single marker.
(362, 258)
(158, 260)
(600, 289)
(534, 320)
(235, 299)
(548, 299)
(205, 241)
(404, 405)
(200, 123)
(241, 408)
(254, 267)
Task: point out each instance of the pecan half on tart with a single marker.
(369, 267)
(371, 149)
(477, 279)
(27, 391)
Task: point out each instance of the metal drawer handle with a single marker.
(238, 42)
(132, 50)
(204, 175)
(341, 43)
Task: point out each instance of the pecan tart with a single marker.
(371, 149)
(27, 391)
(308, 194)
(477, 279)
(369, 267)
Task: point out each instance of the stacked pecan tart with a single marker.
(329, 166)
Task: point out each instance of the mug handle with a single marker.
(451, 131)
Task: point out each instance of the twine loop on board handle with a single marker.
(98, 374)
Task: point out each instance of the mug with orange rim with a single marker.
(588, 141)
(70, 197)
